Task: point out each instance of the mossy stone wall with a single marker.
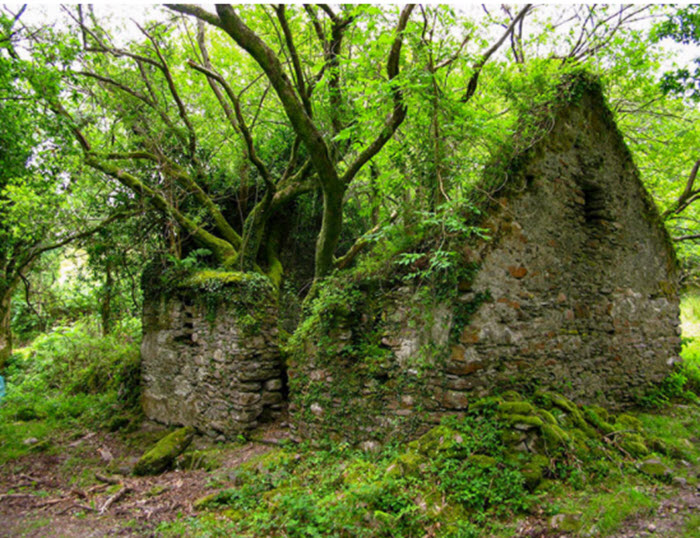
(576, 291)
(210, 355)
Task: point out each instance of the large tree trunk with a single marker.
(330, 230)
(5, 332)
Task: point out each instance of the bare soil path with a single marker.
(72, 493)
(77, 491)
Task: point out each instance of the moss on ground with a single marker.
(460, 478)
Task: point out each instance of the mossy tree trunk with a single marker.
(106, 301)
(330, 230)
(5, 331)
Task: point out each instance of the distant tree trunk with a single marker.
(106, 306)
(5, 332)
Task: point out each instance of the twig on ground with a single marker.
(114, 498)
(107, 479)
(16, 496)
(98, 487)
(76, 505)
(52, 502)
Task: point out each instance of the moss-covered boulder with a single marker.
(533, 470)
(161, 457)
(567, 523)
(440, 440)
(656, 469)
(408, 463)
(554, 436)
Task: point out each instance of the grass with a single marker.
(692, 527)
(73, 379)
(67, 381)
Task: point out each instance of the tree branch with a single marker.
(266, 58)
(474, 80)
(399, 110)
(361, 243)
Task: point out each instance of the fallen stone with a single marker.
(163, 454)
(655, 468)
(565, 522)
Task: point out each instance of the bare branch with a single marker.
(399, 111)
(689, 194)
(298, 73)
(474, 80)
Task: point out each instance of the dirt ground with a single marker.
(73, 493)
(77, 491)
(668, 521)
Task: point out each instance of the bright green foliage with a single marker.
(70, 378)
(683, 27)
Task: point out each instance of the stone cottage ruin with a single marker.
(576, 290)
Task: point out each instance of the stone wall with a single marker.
(210, 357)
(575, 291)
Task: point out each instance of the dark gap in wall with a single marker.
(594, 207)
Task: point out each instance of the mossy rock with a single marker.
(594, 418)
(568, 523)
(269, 461)
(277, 495)
(360, 473)
(628, 422)
(440, 441)
(162, 456)
(551, 399)
(635, 448)
(515, 408)
(490, 402)
(523, 422)
(511, 396)
(666, 449)
(554, 436)
(408, 463)
(656, 469)
(603, 413)
(482, 461)
(533, 470)
(214, 500)
(432, 504)
(634, 445)
(512, 437)
(547, 417)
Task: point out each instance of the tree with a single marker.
(682, 27)
(221, 124)
(163, 151)
(37, 214)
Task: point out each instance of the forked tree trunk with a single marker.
(331, 227)
(5, 332)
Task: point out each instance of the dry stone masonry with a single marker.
(576, 291)
(209, 354)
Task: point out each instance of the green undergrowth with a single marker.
(474, 474)
(67, 380)
(682, 384)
